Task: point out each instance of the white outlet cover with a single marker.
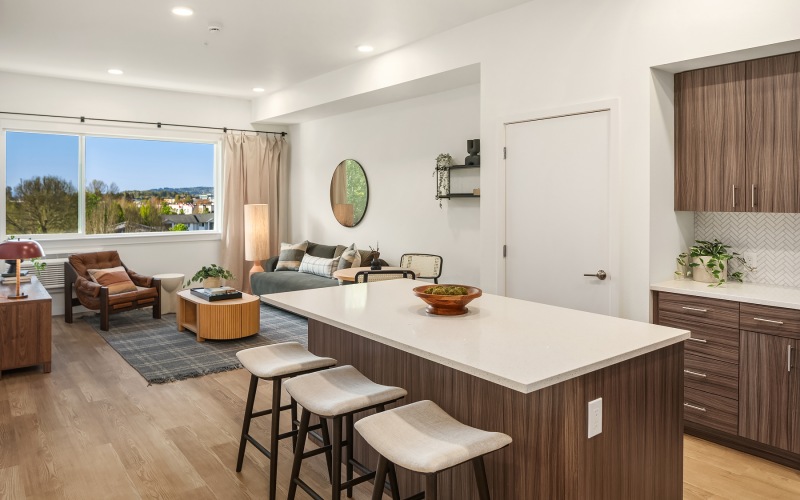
(595, 417)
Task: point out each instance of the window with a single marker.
(130, 185)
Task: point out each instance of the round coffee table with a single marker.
(170, 284)
(219, 320)
(350, 274)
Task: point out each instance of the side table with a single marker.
(25, 327)
(171, 283)
(223, 319)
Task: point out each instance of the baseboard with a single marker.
(744, 445)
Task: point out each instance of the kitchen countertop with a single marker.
(751, 293)
(522, 345)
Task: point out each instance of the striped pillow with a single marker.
(116, 279)
(350, 258)
(291, 256)
(318, 266)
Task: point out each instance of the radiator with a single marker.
(52, 276)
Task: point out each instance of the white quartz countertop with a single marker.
(751, 293)
(518, 344)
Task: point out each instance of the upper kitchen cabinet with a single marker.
(773, 86)
(710, 173)
(737, 137)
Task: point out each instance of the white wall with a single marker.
(146, 255)
(544, 55)
(397, 145)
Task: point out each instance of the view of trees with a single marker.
(49, 204)
(356, 189)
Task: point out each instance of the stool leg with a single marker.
(380, 478)
(480, 476)
(294, 419)
(302, 433)
(430, 487)
(348, 422)
(326, 441)
(394, 486)
(273, 438)
(248, 416)
(336, 471)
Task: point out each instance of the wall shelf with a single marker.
(460, 195)
(456, 167)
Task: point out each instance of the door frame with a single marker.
(614, 177)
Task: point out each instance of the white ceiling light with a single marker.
(365, 48)
(182, 11)
(114, 71)
(258, 89)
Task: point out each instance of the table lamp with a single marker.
(20, 250)
(256, 235)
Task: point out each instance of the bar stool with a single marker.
(423, 438)
(335, 394)
(275, 363)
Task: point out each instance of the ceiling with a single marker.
(263, 43)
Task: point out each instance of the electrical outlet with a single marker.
(751, 258)
(595, 417)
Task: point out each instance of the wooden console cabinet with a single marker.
(25, 327)
(741, 373)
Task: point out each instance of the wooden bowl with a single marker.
(447, 305)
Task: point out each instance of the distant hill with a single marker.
(169, 191)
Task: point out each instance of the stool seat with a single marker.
(277, 360)
(339, 391)
(423, 438)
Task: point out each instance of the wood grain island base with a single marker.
(526, 369)
(221, 320)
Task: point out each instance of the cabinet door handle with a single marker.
(693, 407)
(753, 195)
(769, 321)
(695, 309)
(702, 341)
(788, 357)
(734, 195)
(697, 374)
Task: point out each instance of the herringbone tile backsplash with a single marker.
(771, 242)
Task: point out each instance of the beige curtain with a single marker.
(255, 172)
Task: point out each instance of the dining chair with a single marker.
(370, 276)
(424, 265)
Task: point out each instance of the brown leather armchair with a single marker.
(93, 296)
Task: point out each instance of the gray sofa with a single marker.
(271, 281)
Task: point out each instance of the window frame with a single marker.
(82, 130)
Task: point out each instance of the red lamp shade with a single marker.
(20, 249)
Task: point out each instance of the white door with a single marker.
(557, 212)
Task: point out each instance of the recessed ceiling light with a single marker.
(115, 71)
(182, 11)
(258, 89)
(365, 48)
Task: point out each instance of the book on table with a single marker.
(215, 294)
(13, 280)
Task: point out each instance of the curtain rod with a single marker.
(157, 124)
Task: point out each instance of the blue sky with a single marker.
(130, 163)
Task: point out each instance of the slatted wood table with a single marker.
(220, 320)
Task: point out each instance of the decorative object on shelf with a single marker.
(349, 193)
(211, 276)
(474, 150)
(447, 300)
(709, 263)
(442, 174)
(256, 235)
(19, 250)
(375, 265)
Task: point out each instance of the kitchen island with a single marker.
(525, 369)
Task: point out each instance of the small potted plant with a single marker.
(211, 276)
(443, 162)
(708, 262)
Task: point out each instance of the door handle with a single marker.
(601, 275)
(789, 357)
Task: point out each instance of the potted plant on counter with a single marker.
(211, 276)
(708, 262)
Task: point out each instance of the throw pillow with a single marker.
(116, 279)
(291, 256)
(350, 258)
(318, 266)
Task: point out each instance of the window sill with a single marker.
(70, 241)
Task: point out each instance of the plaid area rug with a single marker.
(160, 353)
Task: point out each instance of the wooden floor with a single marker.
(94, 429)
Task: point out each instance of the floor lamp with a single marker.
(256, 235)
(20, 250)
